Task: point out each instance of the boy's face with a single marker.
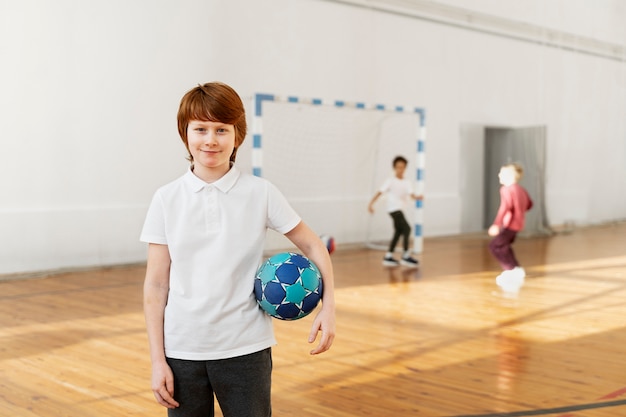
(507, 176)
(210, 144)
(399, 168)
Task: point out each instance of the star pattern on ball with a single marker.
(288, 286)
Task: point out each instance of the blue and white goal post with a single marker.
(420, 138)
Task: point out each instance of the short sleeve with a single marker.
(154, 225)
(385, 186)
(280, 215)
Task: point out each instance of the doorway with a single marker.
(525, 146)
(485, 150)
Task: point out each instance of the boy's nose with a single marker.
(211, 138)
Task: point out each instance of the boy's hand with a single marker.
(493, 230)
(163, 385)
(324, 322)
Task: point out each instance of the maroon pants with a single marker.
(501, 249)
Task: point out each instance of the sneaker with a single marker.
(408, 261)
(519, 273)
(389, 261)
(500, 279)
(510, 281)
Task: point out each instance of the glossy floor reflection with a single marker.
(435, 341)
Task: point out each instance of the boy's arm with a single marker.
(530, 201)
(313, 248)
(370, 207)
(503, 209)
(503, 215)
(155, 291)
(506, 211)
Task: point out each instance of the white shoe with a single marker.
(499, 279)
(510, 280)
(519, 273)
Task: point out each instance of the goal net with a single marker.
(329, 160)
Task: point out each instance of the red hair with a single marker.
(213, 102)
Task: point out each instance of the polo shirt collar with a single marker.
(224, 184)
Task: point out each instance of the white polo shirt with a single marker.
(398, 192)
(215, 234)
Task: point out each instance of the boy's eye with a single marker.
(200, 129)
(222, 130)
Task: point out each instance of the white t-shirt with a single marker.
(398, 192)
(215, 234)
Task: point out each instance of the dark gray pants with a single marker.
(242, 386)
(402, 229)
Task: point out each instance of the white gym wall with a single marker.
(89, 92)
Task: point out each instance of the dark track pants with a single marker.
(402, 229)
(500, 247)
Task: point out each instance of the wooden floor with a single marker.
(436, 341)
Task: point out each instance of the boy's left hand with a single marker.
(324, 322)
(493, 230)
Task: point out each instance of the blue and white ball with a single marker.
(288, 286)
